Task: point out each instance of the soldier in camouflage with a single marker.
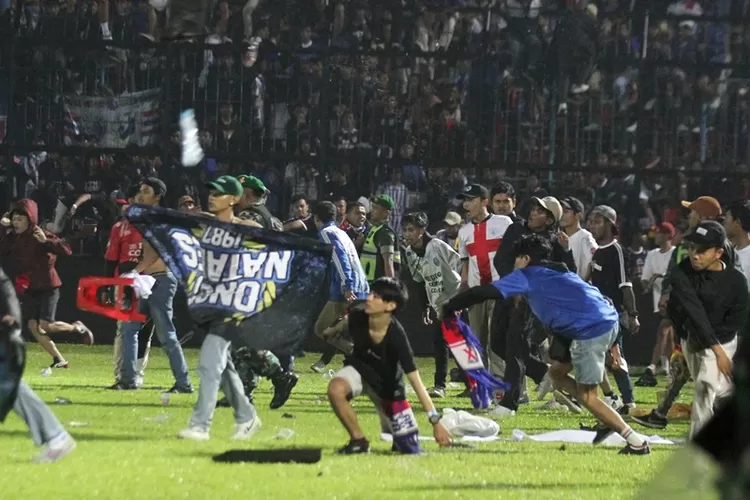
(252, 205)
(252, 364)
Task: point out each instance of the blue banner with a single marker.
(260, 288)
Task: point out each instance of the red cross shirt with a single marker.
(478, 242)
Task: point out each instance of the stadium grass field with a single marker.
(127, 447)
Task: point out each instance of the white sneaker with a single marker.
(56, 450)
(194, 433)
(192, 153)
(247, 430)
(502, 412)
(614, 402)
(545, 387)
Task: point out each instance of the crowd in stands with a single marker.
(344, 99)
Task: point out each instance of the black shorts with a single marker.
(559, 349)
(40, 305)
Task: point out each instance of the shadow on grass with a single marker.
(83, 436)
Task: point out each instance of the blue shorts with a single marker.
(588, 356)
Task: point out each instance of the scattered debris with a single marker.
(157, 418)
(285, 434)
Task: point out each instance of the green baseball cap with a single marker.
(384, 201)
(252, 182)
(226, 184)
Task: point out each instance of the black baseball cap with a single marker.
(474, 191)
(132, 191)
(707, 234)
(572, 203)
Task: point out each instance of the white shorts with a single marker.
(359, 387)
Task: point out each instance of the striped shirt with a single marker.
(346, 270)
(400, 195)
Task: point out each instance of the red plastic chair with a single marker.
(87, 298)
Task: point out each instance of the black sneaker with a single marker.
(465, 394)
(624, 410)
(282, 389)
(602, 433)
(119, 386)
(355, 447)
(653, 420)
(437, 392)
(178, 389)
(630, 450)
(58, 363)
(648, 379)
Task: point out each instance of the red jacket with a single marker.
(27, 256)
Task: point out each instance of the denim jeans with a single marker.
(159, 307)
(42, 423)
(216, 371)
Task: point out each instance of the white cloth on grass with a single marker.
(463, 425)
(579, 436)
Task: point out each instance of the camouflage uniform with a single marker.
(254, 215)
(252, 364)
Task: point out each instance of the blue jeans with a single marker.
(159, 307)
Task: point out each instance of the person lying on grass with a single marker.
(578, 314)
(379, 355)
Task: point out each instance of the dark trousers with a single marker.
(287, 362)
(441, 356)
(328, 353)
(518, 344)
(622, 379)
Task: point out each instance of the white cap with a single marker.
(452, 219)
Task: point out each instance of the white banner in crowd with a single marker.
(114, 122)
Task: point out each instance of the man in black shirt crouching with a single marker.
(708, 307)
(380, 355)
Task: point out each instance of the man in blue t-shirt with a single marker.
(576, 312)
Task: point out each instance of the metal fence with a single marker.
(668, 99)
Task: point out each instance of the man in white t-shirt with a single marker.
(478, 242)
(737, 226)
(654, 269)
(580, 241)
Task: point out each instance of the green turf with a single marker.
(124, 453)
